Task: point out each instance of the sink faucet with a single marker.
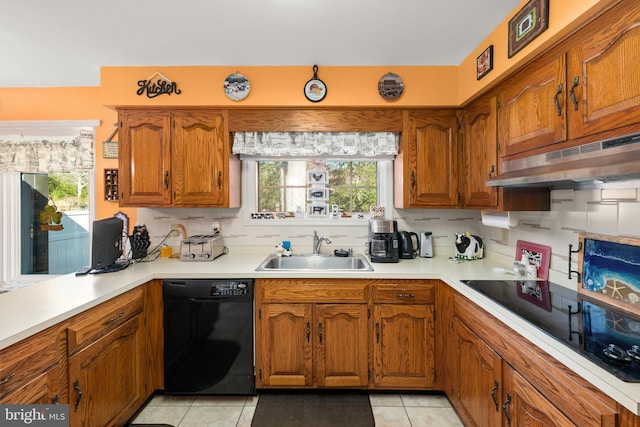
(317, 242)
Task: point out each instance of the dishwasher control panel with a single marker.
(229, 289)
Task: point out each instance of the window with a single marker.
(283, 186)
(54, 222)
(47, 175)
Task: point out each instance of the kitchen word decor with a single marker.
(157, 85)
(390, 86)
(484, 63)
(236, 87)
(531, 21)
(315, 90)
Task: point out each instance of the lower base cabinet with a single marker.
(345, 333)
(501, 379)
(105, 384)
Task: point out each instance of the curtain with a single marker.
(315, 144)
(47, 155)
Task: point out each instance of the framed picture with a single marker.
(531, 21)
(540, 255)
(317, 176)
(318, 209)
(484, 63)
(317, 194)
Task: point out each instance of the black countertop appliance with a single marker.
(384, 240)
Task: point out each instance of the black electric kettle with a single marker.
(409, 245)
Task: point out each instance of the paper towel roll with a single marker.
(499, 220)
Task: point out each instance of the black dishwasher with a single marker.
(208, 337)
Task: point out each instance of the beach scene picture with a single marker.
(612, 269)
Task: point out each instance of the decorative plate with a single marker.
(236, 87)
(390, 86)
(315, 90)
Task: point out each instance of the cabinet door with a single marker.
(199, 152)
(532, 111)
(526, 406)
(144, 158)
(42, 390)
(106, 383)
(286, 342)
(342, 352)
(403, 352)
(479, 379)
(431, 160)
(603, 73)
(480, 154)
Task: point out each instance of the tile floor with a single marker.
(389, 410)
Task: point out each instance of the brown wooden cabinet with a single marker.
(502, 379)
(106, 364)
(478, 383)
(311, 336)
(402, 335)
(33, 370)
(177, 158)
(602, 77)
(480, 154)
(524, 405)
(426, 169)
(531, 107)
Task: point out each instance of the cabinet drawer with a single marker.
(28, 359)
(403, 293)
(313, 290)
(94, 323)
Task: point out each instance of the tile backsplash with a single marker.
(610, 212)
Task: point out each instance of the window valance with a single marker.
(47, 155)
(315, 144)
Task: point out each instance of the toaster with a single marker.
(201, 248)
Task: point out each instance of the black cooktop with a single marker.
(605, 335)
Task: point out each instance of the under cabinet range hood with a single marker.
(596, 164)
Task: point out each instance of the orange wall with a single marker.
(282, 86)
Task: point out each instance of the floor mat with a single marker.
(313, 409)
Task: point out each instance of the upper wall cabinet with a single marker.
(586, 89)
(426, 170)
(177, 158)
(603, 75)
(531, 110)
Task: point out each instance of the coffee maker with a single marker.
(383, 240)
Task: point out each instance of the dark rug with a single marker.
(313, 409)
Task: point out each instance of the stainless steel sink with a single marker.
(315, 262)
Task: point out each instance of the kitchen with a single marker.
(572, 210)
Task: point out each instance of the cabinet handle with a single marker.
(496, 385)
(556, 101)
(572, 93)
(492, 171)
(166, 180)
(7, 378)
(320, 332)
(377, 332)
(505, 408)
(405, 295)
(55, 399)
(413, 179)
(76, 387)
(219, 180)
(308, 331)
(114, 318)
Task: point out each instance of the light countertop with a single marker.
(29, 310)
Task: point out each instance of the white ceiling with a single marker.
(46, 43)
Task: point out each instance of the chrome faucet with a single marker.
(317, 242)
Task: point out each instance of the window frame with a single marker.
(250, 197)
(10, 244)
